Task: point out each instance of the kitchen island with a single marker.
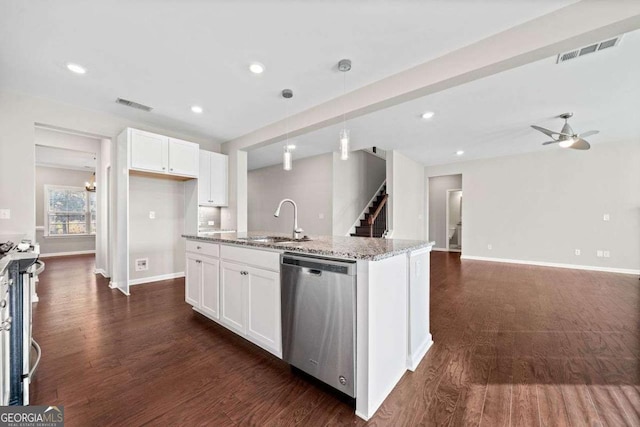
(234, 279)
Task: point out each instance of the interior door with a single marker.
(184, 158)
(210, 287)
(232, 296)
(193, 281)
(264, 316)
(149, 152)
(219, 179)
(204, 179)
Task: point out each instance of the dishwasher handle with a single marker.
(309, 263)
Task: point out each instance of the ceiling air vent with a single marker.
(132, 104)
(595, 47)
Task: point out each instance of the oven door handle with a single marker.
(37, 362)
(37, 268)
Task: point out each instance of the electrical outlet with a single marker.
(599, 254)
(606, 254)
(211, 223)
(577, 251)
(489, 246)
(142, 264)
(605, 217)
(152, 214)
(5, 213)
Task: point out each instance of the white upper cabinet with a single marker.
(213, 179)
(150, 152)
(184, 158)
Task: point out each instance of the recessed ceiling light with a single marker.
(256, 68)
(197, 109)
(78, 69)
(428, 114)
(459, 153)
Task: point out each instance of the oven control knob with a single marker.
(343, 380)
(3, 303)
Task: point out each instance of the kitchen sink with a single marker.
(274, 239)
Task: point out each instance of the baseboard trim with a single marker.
(554, 264)
(156, 278)
(415, 358)
(57, 254)
(101, 272)
(439, 249)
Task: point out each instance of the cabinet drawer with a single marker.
(256, 257)
(210, 249)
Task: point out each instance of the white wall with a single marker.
(542, 206)
(309, 184)
(406, 188)
(18, 116)
(157, 239)
(437, 197)
(355, 181)
(69, 178)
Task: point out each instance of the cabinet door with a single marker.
(184, 158)
(232, 296)
(204, 179)
(149, 152)
(219, 179)
(193, 280)
(210, 287)
(264, 317)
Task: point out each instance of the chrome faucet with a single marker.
(297, 231)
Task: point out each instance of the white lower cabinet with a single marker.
(202, 284)
(240, 290)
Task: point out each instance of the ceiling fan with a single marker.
(566, 138)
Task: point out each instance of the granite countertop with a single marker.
(6, 260)
(364, 248)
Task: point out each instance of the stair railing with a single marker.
(378, 220)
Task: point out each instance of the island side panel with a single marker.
(418, 301)
(382, 330)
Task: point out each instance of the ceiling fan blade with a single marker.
(545, 131)
(589, 133)
(580, 144)
(549, 142)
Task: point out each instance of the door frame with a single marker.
(446, 219)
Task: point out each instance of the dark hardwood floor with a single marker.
(514, 345)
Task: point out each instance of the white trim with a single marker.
(39, 227)
(413, 360)
(364, 211)
(156, 278)
(554, 264)
(56, 254)
(446, 218)
(101, 272)
(439, 249)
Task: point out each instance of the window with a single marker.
(69, 211)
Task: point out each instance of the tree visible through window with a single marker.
(69, 211)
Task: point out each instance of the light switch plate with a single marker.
(606, 217)
(152, 214)
(5, 213)
(607, 254)
(211, 223)
(321, 216)
(599, 254)
(489, 246)
(577, 251)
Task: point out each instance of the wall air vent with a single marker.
(132, 104)
(585, 50)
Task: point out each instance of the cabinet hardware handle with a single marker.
(198, 261)
(163, 168)
(171, 169)
(198, 247)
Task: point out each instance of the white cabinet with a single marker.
(232, 296)
(202, 282)
(149, 152)
(263, 309)
(213, 179)
(184, 158)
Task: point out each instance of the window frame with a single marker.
(87, 212)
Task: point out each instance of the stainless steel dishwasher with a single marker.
(319, 318)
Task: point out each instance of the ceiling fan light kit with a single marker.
(567, 138)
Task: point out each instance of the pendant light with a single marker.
(91, 184)
(287, 160)
(344, 65)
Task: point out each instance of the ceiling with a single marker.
(172, 54)
(65, 159)
(490, 117)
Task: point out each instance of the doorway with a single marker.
(454, 220)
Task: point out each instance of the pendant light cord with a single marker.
(344, 95)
